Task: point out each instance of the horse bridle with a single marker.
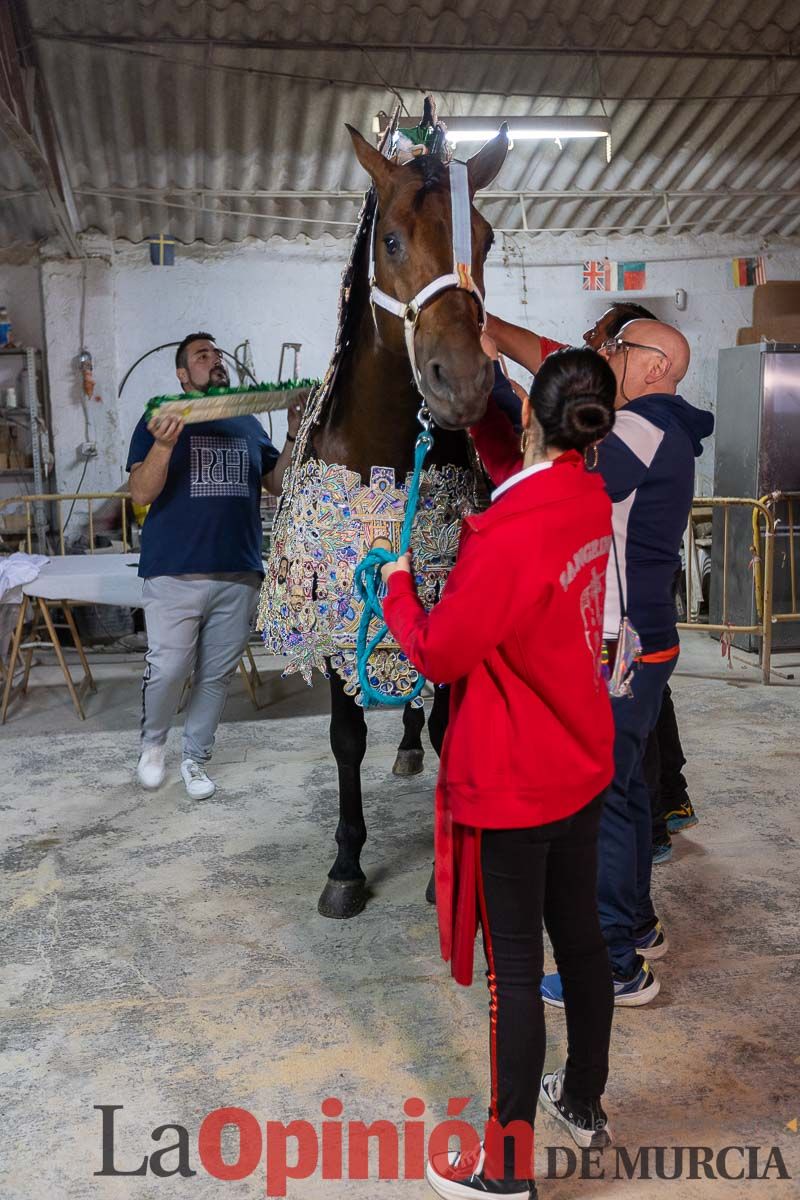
(459, 278)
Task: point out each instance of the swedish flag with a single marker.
(162, 251)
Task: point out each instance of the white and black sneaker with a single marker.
(196, 781)
(631, 991)
(653, 944)
(457, 1176)
(584, 1120)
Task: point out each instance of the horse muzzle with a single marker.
(456, 396)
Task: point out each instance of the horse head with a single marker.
(413, 246)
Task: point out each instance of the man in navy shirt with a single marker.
(200, 559)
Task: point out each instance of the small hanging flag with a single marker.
(597, 275)
(747, 272)
(630, 276)
(162, 251)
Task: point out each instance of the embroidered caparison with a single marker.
(330, 519)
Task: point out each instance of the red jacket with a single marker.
(517, 632)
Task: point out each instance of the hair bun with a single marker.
(573, 398)
(585, 417)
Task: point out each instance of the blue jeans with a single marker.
(625, 854)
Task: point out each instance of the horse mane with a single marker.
(353, 299)
(433, 176)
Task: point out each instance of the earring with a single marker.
(593, 465)
(523, 442)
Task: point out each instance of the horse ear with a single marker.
(372, 160)
(484, 166)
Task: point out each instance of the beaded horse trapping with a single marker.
(308, 611)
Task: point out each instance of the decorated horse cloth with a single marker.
(308, 611)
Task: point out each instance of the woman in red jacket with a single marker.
(526, 758)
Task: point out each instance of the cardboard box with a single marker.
(13, 522)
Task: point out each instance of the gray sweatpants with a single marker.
(197, 623)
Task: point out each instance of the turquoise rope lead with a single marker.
(367, 580)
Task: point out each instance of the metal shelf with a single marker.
(35, 403)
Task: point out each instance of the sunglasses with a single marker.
(615, 344)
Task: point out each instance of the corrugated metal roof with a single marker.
(206, 105)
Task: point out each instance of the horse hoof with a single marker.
(430, 890)
(408, 762)
(342, 899)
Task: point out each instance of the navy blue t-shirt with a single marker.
(207, 519)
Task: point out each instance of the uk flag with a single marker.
(597, 275)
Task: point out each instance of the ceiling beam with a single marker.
(26, 120)
(489, 194)
(198, 203)
(310, 47)
(29, 151)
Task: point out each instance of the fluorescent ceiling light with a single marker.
(526, 129)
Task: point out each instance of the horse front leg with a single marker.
(345, 893)
(410, 755)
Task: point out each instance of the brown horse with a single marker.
(372, 417)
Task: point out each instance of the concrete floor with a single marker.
(167, 956)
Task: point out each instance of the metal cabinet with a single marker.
(757, 452)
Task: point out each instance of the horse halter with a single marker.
(459, 278)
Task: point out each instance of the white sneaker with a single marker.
(151, 768)
(198, 785)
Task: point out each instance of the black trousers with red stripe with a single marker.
(547, 873)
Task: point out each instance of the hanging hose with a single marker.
(241, 367)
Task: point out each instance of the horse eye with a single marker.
(391, 243)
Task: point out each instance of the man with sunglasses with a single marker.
(672, 808)
(647, 463)
(530, 349)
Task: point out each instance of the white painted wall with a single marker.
(267, 294)
(270, 293)
(288, 292)
(539, 285)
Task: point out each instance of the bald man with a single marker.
(530, 349)
(647, 464)
(648, 358)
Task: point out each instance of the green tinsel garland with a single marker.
(286, 385)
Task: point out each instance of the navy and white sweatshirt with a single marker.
(647, 464)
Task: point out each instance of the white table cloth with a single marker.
(94, 578)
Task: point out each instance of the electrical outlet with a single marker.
(87, 450)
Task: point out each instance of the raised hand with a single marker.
(166, 430)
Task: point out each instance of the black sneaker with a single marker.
(584, 1120)
(681, 816)
(457, 1176)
